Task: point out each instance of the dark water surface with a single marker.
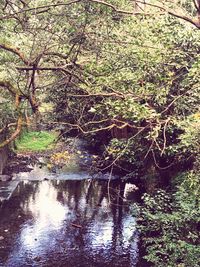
(69, 224)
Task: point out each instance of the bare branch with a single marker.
(15, 51)
(164, 136)
(98, 95)
(155, 161)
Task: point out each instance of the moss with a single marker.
(36, 141)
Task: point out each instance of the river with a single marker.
(68, 223)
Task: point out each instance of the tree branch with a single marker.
(52, 69)
(39, 8)
(193, 21)
(15, 51)
(14, 135)
(9, 87)
(196, 5)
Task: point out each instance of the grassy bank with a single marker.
(35, 141)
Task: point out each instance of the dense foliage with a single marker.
(170, 224)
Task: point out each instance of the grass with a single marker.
(36, 141)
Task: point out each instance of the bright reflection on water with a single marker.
(45, 207)
(68, 224)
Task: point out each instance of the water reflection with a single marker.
(68, 223)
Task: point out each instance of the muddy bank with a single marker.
(68, 160)
(73, 152)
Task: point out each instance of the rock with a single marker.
(5, 178)
(41, 160)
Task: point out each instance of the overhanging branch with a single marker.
(194, 21)
(15, 51)
(14, 135)
(9, 87)
(62, 69)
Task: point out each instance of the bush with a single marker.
(170, 225)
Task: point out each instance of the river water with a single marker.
(69, 223)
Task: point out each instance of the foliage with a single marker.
(60, 158)
(170, 224)
(7, 113)
(35, 141)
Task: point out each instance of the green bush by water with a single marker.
(169, 223)
(36, 141)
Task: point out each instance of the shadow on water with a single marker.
(69, 224)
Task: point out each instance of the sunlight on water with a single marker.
(45, 207)
(102, 233)
(47, 213)
(70, 222)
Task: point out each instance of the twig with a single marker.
(76, 225)
(110, 176)
(161, 168)
(164, 136)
